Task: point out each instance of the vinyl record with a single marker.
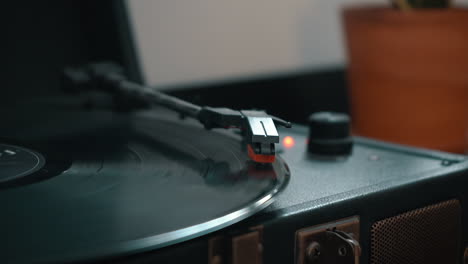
(154, 181)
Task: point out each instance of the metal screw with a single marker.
(446, 162)
(342, 251)
(313, 252)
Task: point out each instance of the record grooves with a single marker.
(153, 182)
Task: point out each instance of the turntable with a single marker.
(158, 186)
(121, 173)
(165, 180)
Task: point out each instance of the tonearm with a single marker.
(259, 128)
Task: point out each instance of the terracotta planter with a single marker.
(408, 75)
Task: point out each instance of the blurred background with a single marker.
(287, 57)
(186, 43)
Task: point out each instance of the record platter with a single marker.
(150, 182)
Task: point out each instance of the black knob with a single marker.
(329, 134)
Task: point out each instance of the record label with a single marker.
(17, 162)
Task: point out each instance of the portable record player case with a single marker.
(378, 185)
(388, 189)
(393, 202)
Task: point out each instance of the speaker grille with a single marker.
(427, 235)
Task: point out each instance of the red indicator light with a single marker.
(288, 142)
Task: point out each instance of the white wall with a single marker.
(198, 41)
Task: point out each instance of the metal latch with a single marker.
(336, 242)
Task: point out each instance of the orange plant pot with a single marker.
(408, 75)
